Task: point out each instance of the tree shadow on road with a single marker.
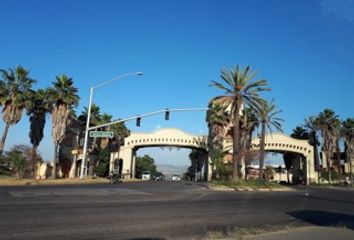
(324, 218)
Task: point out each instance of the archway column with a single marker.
(210, 169)
(133, 166)
(311, 174)
(111, 160)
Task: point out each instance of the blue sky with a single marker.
(303, 48)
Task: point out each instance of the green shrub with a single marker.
(17, 162)
(102, 169)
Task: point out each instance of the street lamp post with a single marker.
(83, 162)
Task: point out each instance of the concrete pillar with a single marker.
(210, 169)
(311, 174)
(111, 161)
(133, 162)
(133, 166)
(296, 168)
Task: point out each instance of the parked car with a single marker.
(176, 177)
(158, 176)
(146, 175)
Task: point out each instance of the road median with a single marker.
(250, 185)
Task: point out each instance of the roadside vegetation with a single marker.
(59, 101)
(241, 113)
(145, 163)
(233, 233)
(254, 184)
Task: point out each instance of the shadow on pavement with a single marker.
(323, 218)
(146, 239)
(331, 200)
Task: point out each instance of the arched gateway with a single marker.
(275, 142)
(281, 143)
(161, 138)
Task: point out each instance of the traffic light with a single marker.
(167, 114)
(138, 120)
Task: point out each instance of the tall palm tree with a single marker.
(65, 97)
(347, 132)
(325, 122)
(249, 122)
(95, 115)
(312, 127)
(300, 133)
(336, 138)
(95, 119)
(198, 158)
(38, 107)
(268, 120)
(218, 118)
(240, 89)
(15, 90)
(105, 118)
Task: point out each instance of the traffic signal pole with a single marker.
(165, 111)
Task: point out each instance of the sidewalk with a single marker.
(306, 233)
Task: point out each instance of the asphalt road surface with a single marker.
(162, 210)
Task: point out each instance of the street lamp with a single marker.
(83, 162)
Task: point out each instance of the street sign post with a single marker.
(101, 134)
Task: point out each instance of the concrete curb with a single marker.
(224, 188)
(304, 233)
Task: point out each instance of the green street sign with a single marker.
(101, 134)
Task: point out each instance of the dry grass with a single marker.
(233, 233)
(10, 181)
(249, 185)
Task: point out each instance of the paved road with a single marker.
(161, 210)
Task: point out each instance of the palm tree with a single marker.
(95, 115)
(15, 90)
(249, 123)
(268, 119)
(240, 89)
(105, 118)
(288, 161)
(325, 122)
(347, 132)
(38, 107)
(64, 96)
(217, 118)
(312, 128)
(95, 119)
(300, 133)
(336, 137)
(198, 158)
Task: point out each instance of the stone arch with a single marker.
(279, 142)
(162, 138)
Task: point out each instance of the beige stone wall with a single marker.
(164, 137)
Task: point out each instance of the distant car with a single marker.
(146, 175)
(176, 178)
(158, 176)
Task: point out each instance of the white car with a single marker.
(176, 178)
(146, 175)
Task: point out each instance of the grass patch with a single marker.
(11, 181)
(233, 233)
(348, 185)
(255, 184)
